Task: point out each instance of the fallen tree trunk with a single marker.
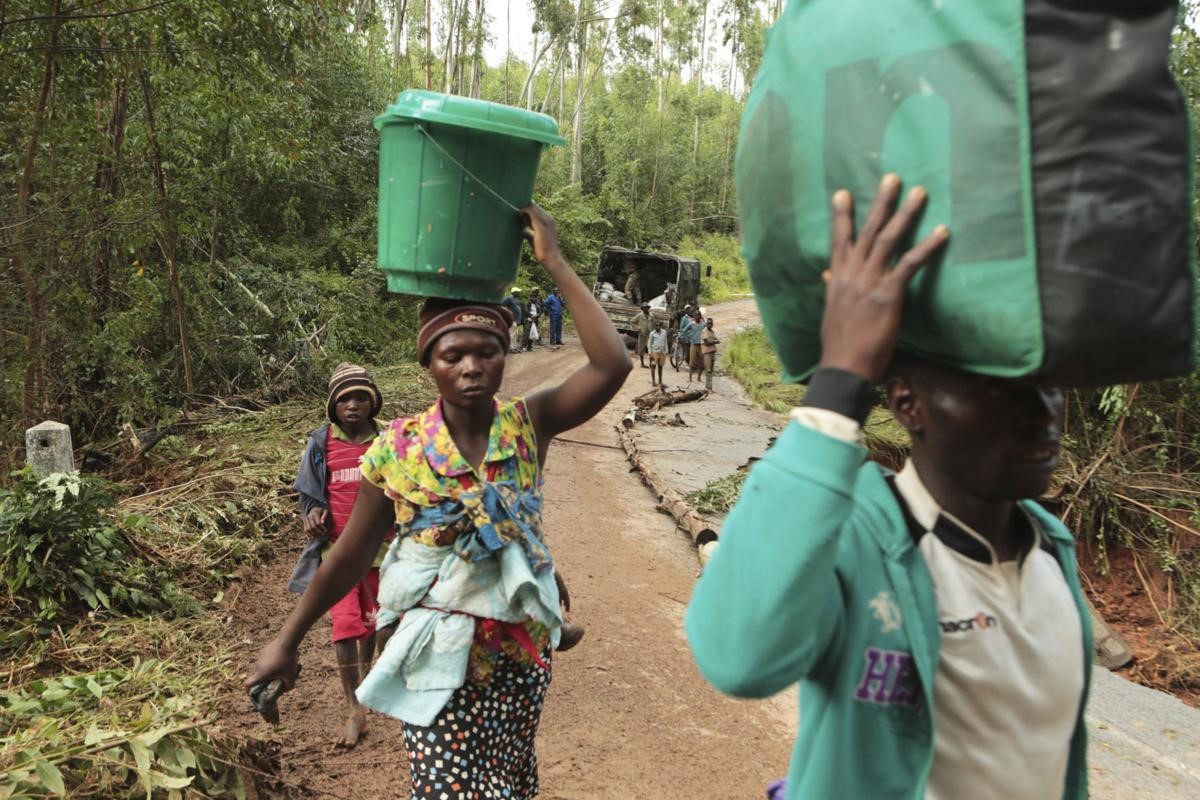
(656, 398)
(671, 501)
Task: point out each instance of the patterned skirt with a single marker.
(481, 746)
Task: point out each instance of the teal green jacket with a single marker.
(817, 581)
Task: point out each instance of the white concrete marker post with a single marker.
(48, 448)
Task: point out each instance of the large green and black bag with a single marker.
(1053, 141)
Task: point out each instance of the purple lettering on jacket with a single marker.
(888, 678)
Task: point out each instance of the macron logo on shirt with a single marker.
(980, 621)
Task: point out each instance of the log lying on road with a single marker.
(657, 398)
(685, 515)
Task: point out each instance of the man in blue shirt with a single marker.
(554, 308)
(695, 329)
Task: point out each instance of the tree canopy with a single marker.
(190, 186)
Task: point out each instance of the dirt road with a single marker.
(627, 715)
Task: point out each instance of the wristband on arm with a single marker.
(842, 392)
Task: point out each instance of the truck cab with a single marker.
(656, 273)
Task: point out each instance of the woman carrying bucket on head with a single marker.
(469, 577)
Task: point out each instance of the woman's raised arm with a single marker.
(581, 396)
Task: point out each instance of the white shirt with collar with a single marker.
(1010, 673)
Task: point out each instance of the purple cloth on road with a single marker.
(777, 790)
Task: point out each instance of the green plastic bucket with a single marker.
(451, 171)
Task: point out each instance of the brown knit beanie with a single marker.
(349, 378)
(440, 316)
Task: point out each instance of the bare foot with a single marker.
(356, 728)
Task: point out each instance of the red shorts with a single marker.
(354, 615)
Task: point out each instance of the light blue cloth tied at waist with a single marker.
(436, 594)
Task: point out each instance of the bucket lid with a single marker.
(467, 112)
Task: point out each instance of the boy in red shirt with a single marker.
(328, 484)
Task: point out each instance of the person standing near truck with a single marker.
(633, 283)
(708, 352)
(680, 342)
(694, 331)
(658, 353)
(643, 322)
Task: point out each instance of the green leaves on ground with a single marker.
(719, 495)
(113, 734)
(64, 554)
(750, 360)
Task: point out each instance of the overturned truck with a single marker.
(666, 282)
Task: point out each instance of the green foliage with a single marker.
(262, 119)
(719, 495)
(95, 734)
(750, 360)
(729, 279)
(62, 556)
(262, 122)
(82, 709)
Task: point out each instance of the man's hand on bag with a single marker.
(864, 294)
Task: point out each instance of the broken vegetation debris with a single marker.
(160, 541)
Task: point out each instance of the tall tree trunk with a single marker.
(29, 281)
(168, 241)
(451, 28)
(699, 94)
(530, 87)
(555, 74)
(508, 45)
(728, 161)
(399, 9)
(581, 93)
(700, 81)
(428, 44)
(562, 83)
(477, 56)
(580, 83)
(362, 9)
(658, 59)
(108, 186)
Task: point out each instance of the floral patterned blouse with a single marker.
(442, 500)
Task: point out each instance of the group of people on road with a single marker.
(695, 342)
(933, 618)
(531, 316)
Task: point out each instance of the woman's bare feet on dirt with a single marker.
(356, 729)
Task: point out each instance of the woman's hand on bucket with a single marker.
(543, 234)
(864, 294)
